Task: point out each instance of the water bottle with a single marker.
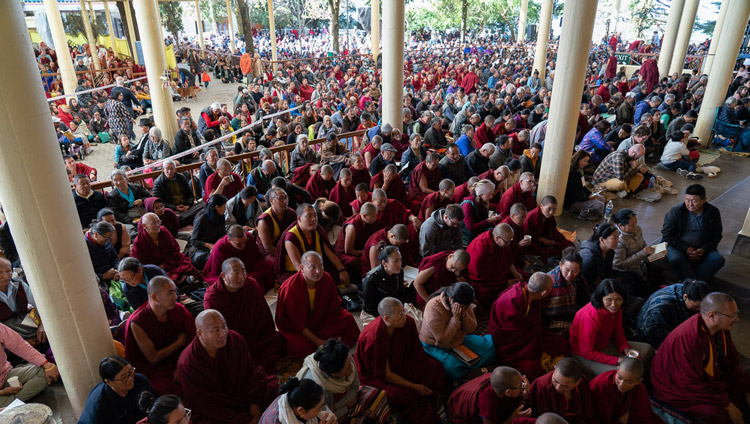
(652, 182)
(608, 211)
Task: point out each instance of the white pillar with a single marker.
(375, 30)
(64, 60)
(230, 28)
(726, 57)
(200, 24)
(715, 39)
(575, 39)
(670, 36)
(522, 21)
(131, 30)
(111, 27)
(90, 37)
(147, 14)
(393, 62)
(542, 37)
(683, 36)
(45, 223)
(617, 16)
(272, 34)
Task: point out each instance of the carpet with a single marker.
(708, 156)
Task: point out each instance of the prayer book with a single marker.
(660, 251)
(410, 274)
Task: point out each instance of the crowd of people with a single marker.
(505, 318)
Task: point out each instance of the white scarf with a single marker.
(330, 384)
(287, 415)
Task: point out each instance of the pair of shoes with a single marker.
(682, 172)
(622, 194)
(689, 175)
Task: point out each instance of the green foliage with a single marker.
(707, 26)
(73, 24)
(647, 14)
(171, 16)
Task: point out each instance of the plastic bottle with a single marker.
(608, 211)
(652, 182)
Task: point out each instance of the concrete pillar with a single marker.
(200, 24)
(131, 30)
(272, 34)
(687, 21)
(617, 16)
(90, 37)
(64, 60)
(110, 26)
(522, 21)
(213, 17)
(51, 246)
(670, 36)
(393, 62)
(542, 37)
(575, 39)
(375, 30)
(230, 28)
(721, 73)
(147, 14)
(708, 61)
(741, 246)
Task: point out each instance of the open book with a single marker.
(465, 355)
(410, 274)
(660, 251)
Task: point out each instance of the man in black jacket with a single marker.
(88, 202)
(174, 189)
(185, 139)
(693, 232)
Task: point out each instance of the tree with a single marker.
(707, 26)
(334, 29)
(171, 14)
(646, 14)
(246, 25)
(304, 12)
(73, 24)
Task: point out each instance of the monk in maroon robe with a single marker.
(302, 174)
(611, 67)
(274, 221)
(484, 134)
(464, 190)
(438, 271)
(343, 194)
(438, 199)
(155, 246)
(470, 81)
(650, 73)
(619, 396)
(321, 183)
(223, 181)
(389, 180)
(400, 236)
(238, 243)
(490, 264)
(425, 178)
(363, 195)
(517, 330)
(494, 397)
(221, 383)
(696, 369)
(563, 391)
(238, 297)
(309, 310)
(391, 212)
(354, 234)
(360, 173)
(546, 240)
(390, 357)
(160, 328)
(520, 192)
(515, 220)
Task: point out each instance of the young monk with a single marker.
(321, 183)
(389, 180)
(343, 194)
(272, 223)
(491, 262)
(353, 236)
(563, 391)
(546, 240)
(619, 396)
(437, 199)
(425, 178)
(492, 398)
(438, 271)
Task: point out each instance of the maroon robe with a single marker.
(461, 192)
(441, 277)
(476, 399)
(247, 313)
(393, 213)
(515, 195)
(610, 404)
(161, 334)
(406, 357)
(169, 219)
(684, 377)
(537, 225)
(469, 82)
(302, 174)
(343, 196)
(356, 204)
(166, 254)
(396, 189)
(518, 252)
(611, 67)
(484, 135)
(408, 251)
(320, 238)
(277, 224)
(318, 187)
(490, 175)
(362, 231)
(488, 268)
(650, 72)
(221, 389)
(327, 318)
(230, 190)
(544, 398)
(518, 333)
(433, 201)
(433, 178)
(360, 175)
(259, 269)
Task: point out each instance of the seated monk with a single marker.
(321, 183)
(425, 178)
(437, 199)
(343, 193)
(497, 177)
(464, 190)
(309, 309)
(391, 212)
(697, 370)
(516, 219)
(516, 327)
(491, 262)
(563, 391)
(274, 221)
(297, 195)
(397, 236)
(220, 381)
(360, 173)
(156, 333)
(438, 271)
(619, 396)
(492, 398)
(155, 246)
(223, 181)
(362, 195)
(520, 192)
(389, 180)
(540, 224)
(240, 300)
(305, 236)
(390, 357)
(351, 241)
(241, 244)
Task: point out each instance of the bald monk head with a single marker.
(345, 177)
(458, 261)
(719, 312)
(233, 274)
(151, 223)
(398, 235)
(307, 218)
(566, 376)
(548, 206)
(379, 198)
(501, 173)
(447, 188)
(162, 294)
(539, 286)
(311, 265)
(502, 234)
(326, 172)
(391, 310)
(629, 374)
(551, 418)
(432, 161)
(369, 213)
(211, 330)
(237, 237)
(508, 382)
(390, 170)
(518, 214)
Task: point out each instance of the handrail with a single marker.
(101, 185)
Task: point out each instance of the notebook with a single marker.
(660, 251)
(465, 355)
(410, 274)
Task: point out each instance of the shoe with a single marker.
(588, 214)
(682, 172)
(694, 176)
(622, 194)
(663, 181)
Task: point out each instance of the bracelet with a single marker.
(50, 368)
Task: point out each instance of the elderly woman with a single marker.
(115, 399)
(154, 245)
(328, 127)
(16, 302)
(332, 367)
(157, 148)
(118, 116)
(447, 325)
(386, 280)
(126, 198)
(301, 402)
(630, 262)
(412, 156)
(302, 153)
(167, 409)
(120, 236)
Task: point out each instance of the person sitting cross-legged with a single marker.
(300, 402)
(492, 398)
(620, 397)
(33, 376)
(241, 244)
(563, 391)
(154, 245)
(172, 187)
(546, 240)
(136, 277)
(385, 280)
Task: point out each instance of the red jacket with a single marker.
(592, 330)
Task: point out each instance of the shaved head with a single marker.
(326, 170)
(388, 306)
(550, 418)
(504, 378)
(715, 302)
(569, 368)
(149, 218)
(158, 284)
(379, 193)
(518, 209)
(502, 230)
(307, 257)
(540, 282)
(446, 184)
(368, 209)
(400, 232)
(462, 257)
(633, 366)
(207, 319)
(226, 266)
(236, 232)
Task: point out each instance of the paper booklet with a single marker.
(660, 251)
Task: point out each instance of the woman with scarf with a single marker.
(126, 199)
(208, 228)
(301, 402)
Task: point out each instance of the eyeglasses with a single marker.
(186, 418)
(735, 316)
(521, 387)
(127, 376)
